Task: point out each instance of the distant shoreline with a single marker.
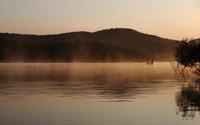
(110, 45)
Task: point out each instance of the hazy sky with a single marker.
(167, 18)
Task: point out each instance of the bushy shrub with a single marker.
(188, 54)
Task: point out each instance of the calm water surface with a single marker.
(97, 94)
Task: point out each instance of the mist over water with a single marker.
(94, 93)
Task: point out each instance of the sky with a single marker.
(174, 19)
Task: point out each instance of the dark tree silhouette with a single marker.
(188, 54)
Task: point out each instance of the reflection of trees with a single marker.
(123, 91)
(188, 100)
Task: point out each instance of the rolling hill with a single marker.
(111, 45)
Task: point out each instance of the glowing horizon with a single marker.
(173, 19)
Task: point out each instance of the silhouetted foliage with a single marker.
(188, 54)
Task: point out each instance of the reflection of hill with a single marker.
(107, 45)
(114, 81)
(188, 100)
(88, 90)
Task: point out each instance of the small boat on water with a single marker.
(150, 61)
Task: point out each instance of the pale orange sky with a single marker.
(174, 19)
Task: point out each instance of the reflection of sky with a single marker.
(168, 18)
(152, 109)
(89, 94)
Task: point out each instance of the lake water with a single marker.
(97, 94)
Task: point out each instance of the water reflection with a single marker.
(87, 94)
(98, 90)
(188, 100)
(116, 82)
